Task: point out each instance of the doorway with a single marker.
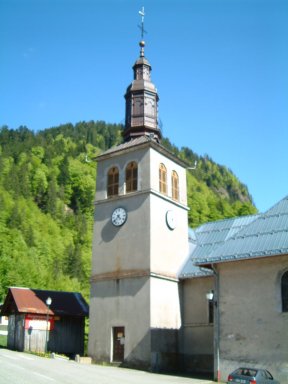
(118, 344)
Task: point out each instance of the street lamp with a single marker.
(48, 303)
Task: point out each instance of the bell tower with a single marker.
(140, 240)
(141, 102)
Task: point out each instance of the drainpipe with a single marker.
(217, 374)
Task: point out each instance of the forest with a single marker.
(47, 187)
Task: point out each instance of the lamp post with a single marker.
(213, 298)
(48, 303)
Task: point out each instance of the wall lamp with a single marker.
(211, 297)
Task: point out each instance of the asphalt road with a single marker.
(23, 368)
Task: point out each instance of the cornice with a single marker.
(139, 193)
(130, 274)
(144, 142)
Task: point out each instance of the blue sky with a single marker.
(220, 67)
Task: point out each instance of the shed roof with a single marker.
(27, 300)
(240, 238)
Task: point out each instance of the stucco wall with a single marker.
(135, 266)
(196, 341)
(156, 159)
(165, 305)
(126, 304)
(169, 248)
(149, 310)
(116, 249)
(121, 160)
(253, 329)
(144, 241)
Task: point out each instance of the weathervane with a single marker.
(142, 13)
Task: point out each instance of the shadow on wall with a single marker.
(164, 356)
(156, 352)
(118, 288)
(109, 231)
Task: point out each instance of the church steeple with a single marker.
(142, 102)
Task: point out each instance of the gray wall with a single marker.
(253, 329)
(196, 340)
(126, 303)
(135, 267)
(151, 339)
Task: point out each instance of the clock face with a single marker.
(170, 220)
(119, 217)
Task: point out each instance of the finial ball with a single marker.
(142, 43)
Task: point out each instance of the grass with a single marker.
(3, 341)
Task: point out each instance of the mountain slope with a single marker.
(47, 187)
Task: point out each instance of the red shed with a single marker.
(41, 320)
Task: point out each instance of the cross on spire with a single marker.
(142, 13)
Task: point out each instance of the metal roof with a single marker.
(144, 140)
(126, 145)
(240, 238)
(190, 269)
(26, 300)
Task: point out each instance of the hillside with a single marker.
(47, 186)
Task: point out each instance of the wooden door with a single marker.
(118, 344)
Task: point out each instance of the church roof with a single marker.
(126, 145)
(239, 238)
(141, 141)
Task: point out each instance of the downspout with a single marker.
(217, 374)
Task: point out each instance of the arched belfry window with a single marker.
(284, 292)
(175, 186)
(163, 179)
(113, 182)
(131, 177)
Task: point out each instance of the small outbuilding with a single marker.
(41, 321)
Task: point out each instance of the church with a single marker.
(165, 297)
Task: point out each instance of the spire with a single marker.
(142, 99)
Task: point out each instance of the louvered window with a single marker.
(175, 186)
(113, 182)
(162, 179)
(131, 177)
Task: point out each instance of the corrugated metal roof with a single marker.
(265, 236)
(240, 238)
(26, 300)
(192, 270)
(189, 267)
